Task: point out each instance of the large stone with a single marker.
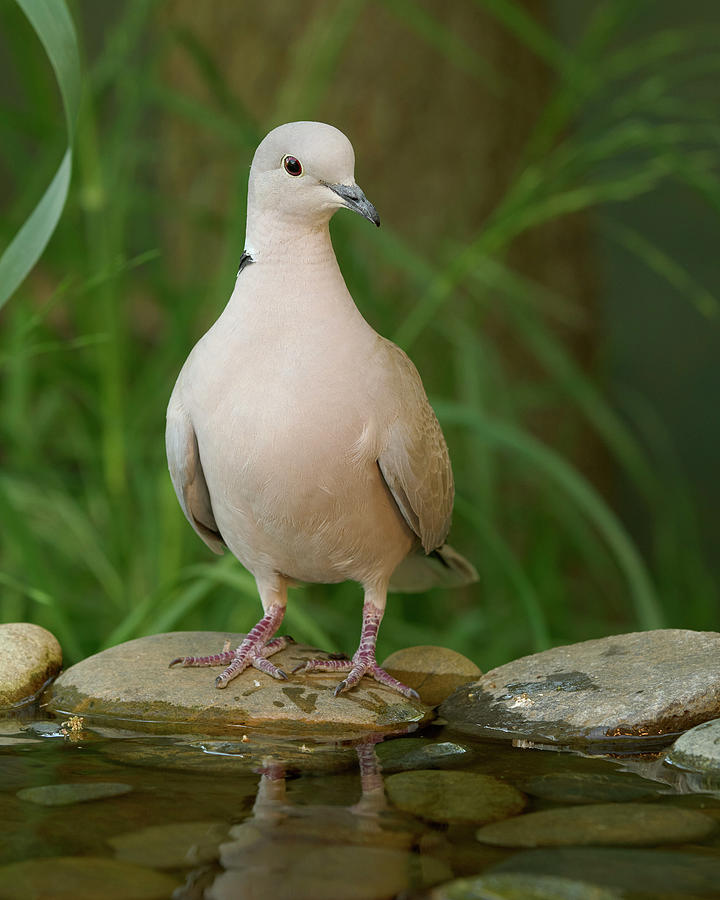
(434, 672)
(131, 683)
(29, 657)
(457, 798)
(626, 688)
(601, 824)
(698, 749)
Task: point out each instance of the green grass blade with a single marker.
(643, 595)
(665, 267)
(513, 571)
(53, 25)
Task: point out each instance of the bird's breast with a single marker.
(290, 424)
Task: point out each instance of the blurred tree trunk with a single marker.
(438, 126)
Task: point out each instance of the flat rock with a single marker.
(651, 874)
(698, 749)
(458, 798)
(67, 794)
(29, 657)
(625, 688)
(522, 887)
(83, 878)
(177, 845)
(434, 672)
(601, 824)
(132, 684)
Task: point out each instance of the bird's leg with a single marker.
(257, 645)
(363, 662)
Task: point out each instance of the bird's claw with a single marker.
(236, 661)
(356, 669)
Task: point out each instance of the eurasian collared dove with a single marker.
(297, 436)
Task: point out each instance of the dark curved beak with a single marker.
(357, 201)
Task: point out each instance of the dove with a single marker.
(299, 438)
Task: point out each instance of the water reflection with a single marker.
(318, 850)
(260, 816)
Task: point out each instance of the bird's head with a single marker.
(303, 172)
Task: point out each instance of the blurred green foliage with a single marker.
(94, 545)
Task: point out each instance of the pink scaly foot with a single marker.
(363, 662)
(254, 651)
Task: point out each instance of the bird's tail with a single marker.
(443, 567)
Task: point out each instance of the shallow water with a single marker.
(259, 817)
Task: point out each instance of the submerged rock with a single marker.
(602, 824)
(434, 672)
(246, 756)
(83, 878)
(522, 887)
(132, 684)
(404, 754)
(29, 657)
(67, 794)
(177, 845)
(591, 787)
(699, 749)
(629, 687)
(458, 798)
(648, 874)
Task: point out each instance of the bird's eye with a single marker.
(292, 166)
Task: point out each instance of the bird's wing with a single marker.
(414, 461)
(187, 474)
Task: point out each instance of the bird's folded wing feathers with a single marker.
(187, 475)
(414, 461)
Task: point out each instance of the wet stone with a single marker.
(453, 797)
(132, 685)
(404, 754)
(29, 657)
(45, 729)
(578, 694)
(591, 787)
(634, 824)
(434, 672)
(83, 878)
(522, 887)
(175, 846)
(698, 749)
(651, 874)
(67, 794)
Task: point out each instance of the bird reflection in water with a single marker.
(285, 850)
